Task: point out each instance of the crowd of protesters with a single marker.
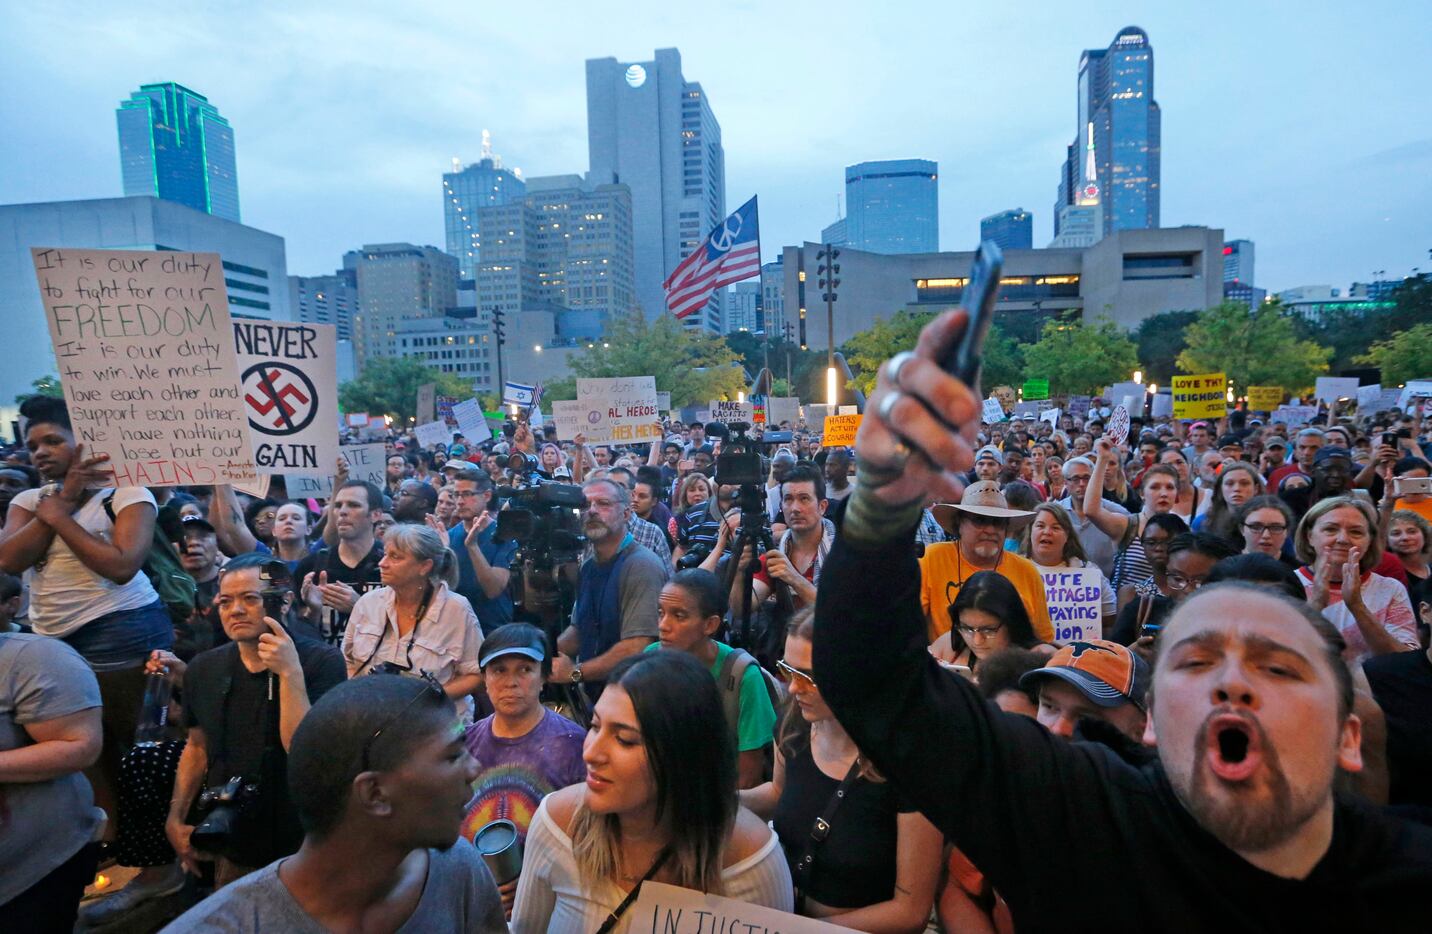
(836, 693)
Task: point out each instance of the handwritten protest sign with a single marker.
(1119, 424)
(669, 909)
(619, 409)
(993, 411)
(365, 462)
(1414, 389)
(470, 420)
(728, 412)
(289, 374)
(840, 430)
(1200, 396)
(1264, 398)
(427, 402)
(1293, 414)
(758, 410)
(145, 348)
(442, 406)
(1074, 596)
(1372, 399)
(434, 432)
(1079, 406)
(1330, 389)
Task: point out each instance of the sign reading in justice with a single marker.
(145, 349)
(290, 381)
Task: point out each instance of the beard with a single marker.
(1249, 816)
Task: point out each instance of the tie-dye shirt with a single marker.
(516, 774)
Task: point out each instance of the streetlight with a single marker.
(1138, 376)
(830, 387)
(740, 395)
(827, 270)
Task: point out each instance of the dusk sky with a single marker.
(1302, 126)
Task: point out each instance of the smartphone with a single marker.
(1405, 486)
(963, 361)
(1389, 438)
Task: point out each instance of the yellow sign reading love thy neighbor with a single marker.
(1202, 396)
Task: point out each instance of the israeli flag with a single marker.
(518, 394)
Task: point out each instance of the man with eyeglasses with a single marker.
(483, 563)
(615, 614)
(1099, 548)
(1191, 557)
(978, 525)
(242, 703)
(380, 782)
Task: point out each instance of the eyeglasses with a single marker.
(1155, 544)
(791, 673)
(1258, 528)
(983, 632)
(430, 685)
(464, 494)
(1182, 582)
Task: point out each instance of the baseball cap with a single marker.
(1276, 441)
(1329, 452)
(1230, 441)
(521, 639)
(991, 452)
(1105, 672)
(461, 465)
(189, 523)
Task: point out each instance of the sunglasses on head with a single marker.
(429, 686)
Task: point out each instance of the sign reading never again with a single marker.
(145, 349)
(289, 375)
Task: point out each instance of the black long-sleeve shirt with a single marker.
(1072, 836)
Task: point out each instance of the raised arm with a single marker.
(228, 521)
(1110, 523)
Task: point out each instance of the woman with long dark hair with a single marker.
(1238, 483)
(659, 803)
(877, 867)
(987, 615)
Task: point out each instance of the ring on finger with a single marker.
(887, 405)
(896, 364)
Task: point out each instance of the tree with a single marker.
(1351, 332)
(1404, 356)
(753, 353)
(1004, 363)
(389, 386)
(881, 341)
(1079, 358)
(694, 367)
(44, 386)
(1160, 340)
(1256, 346)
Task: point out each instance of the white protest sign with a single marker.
(783, 409)
(619, 409)
(1051, 416)
(992, 411)
(568, 417)
(1022, 409)
(849, 410)
(1414, 389)
(1293, 414)
(427, 402)
(663, 402)
(728, 412)
(1163, 405)
(1075, 597)
(1118, 391)
(289, 374)
(470, 420)
(669, 909)
(145, 348)
(1330, 389)
(1119, 424)
(815, 413)
(432, 433)
(356, 419)
(365, 462)
(1374, 398)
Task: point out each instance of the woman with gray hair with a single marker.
(416, 624)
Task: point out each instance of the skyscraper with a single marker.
(893, 206)
(396, 282)
(1116, 100)
(652, 130)
(1238, 261)
(1010, 230)
(174, 145)
(483, 184)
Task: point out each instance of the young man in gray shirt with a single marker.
(381, 779)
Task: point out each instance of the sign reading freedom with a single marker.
(145, 348)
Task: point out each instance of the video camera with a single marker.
(545, 519)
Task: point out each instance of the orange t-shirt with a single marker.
(1423, 509)
(943, 570)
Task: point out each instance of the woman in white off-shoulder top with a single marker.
(659, 802)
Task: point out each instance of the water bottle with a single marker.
(154, 712)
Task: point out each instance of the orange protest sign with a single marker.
(840, 430)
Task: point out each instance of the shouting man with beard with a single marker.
(617, 591)
(1235, 825)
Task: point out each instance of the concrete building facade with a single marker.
(398, 282)
(1127, 277)
(255, 266)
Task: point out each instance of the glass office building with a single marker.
(483, 184)
(174, 145)
(1116, 99)
(893, 206)
(1010, 230)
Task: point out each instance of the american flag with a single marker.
(730, 254)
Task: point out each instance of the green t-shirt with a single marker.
(758, 718)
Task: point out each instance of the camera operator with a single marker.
(609, 622)
(230, 694)
(482, 561)
(797, 559)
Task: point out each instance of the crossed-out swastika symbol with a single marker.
(281, 398)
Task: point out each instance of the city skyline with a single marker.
(1331, 182)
